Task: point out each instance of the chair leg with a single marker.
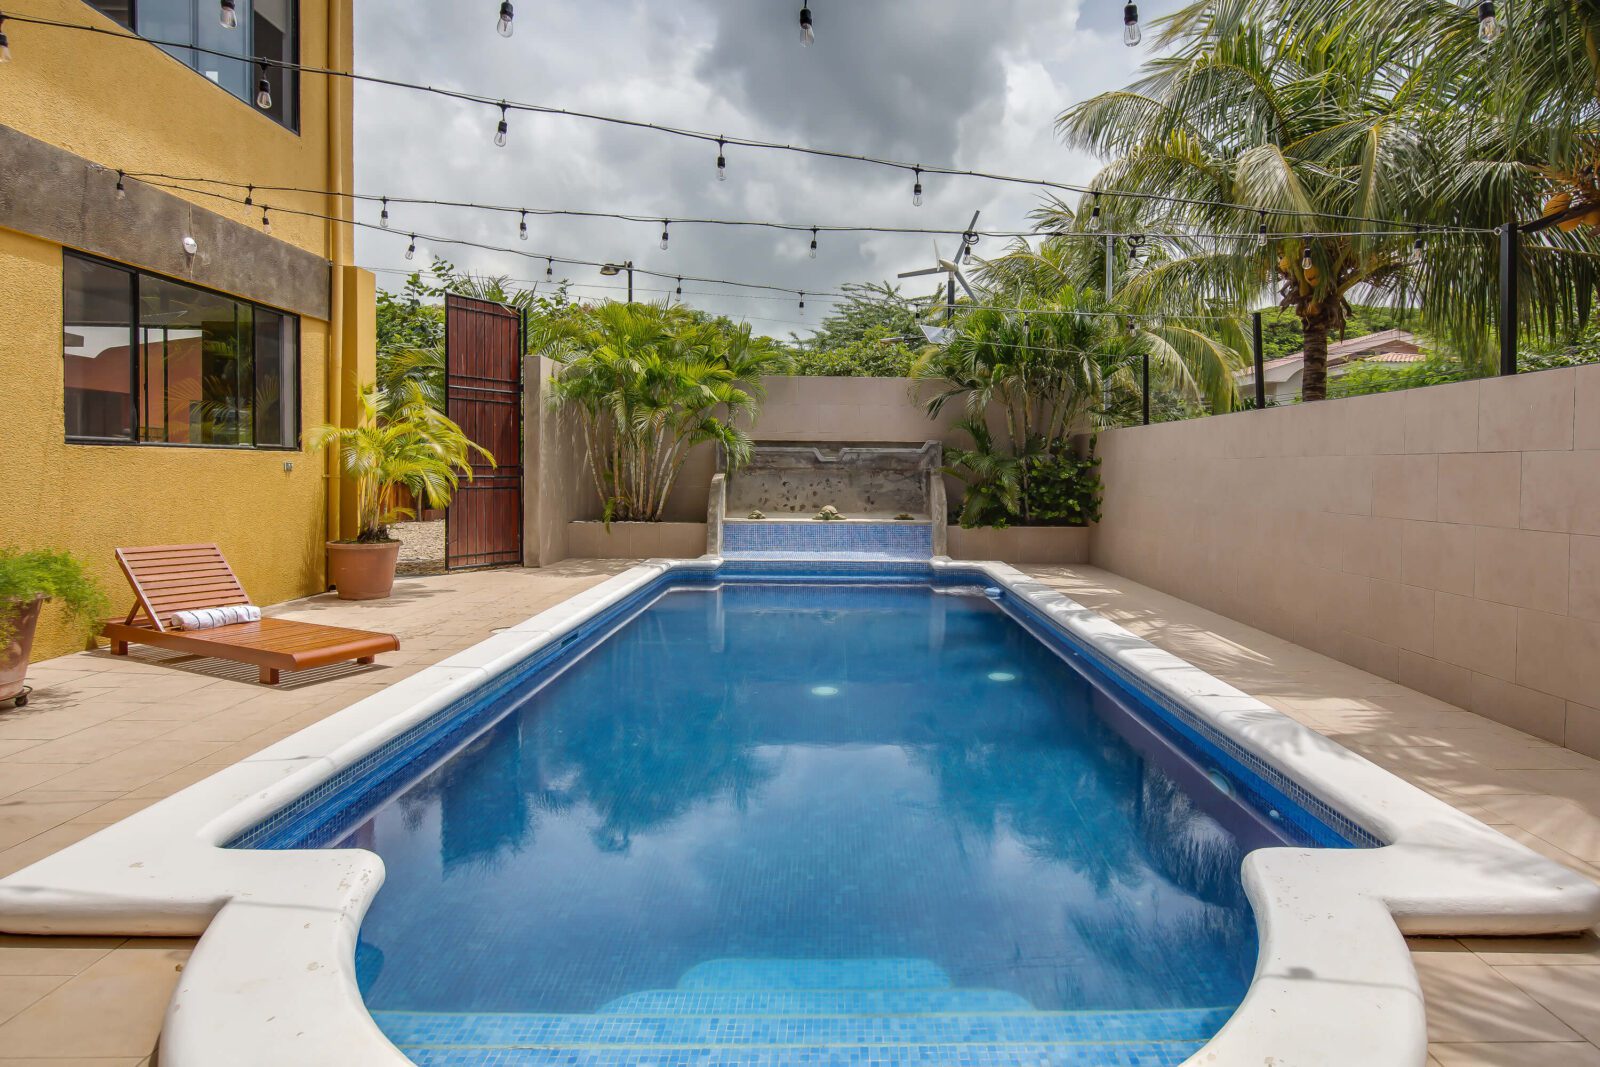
(119, 648)
(269, 676)
(364, 660)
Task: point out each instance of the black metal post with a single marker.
(1261, 374)
(629, 266)
(1510, 268)
(950, 298)
(1145, 362)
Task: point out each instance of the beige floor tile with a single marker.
(1536, 951)
(19, 822)
(76, 1061)
(65, 956)
(1517, 1054)
(125, 994)
(1572, 994)
(20, 992)
(1468, 1001)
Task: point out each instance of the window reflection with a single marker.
(98, 319)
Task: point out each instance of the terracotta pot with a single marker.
(362, 572)
(14, 660)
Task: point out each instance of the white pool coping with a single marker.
(273, 980)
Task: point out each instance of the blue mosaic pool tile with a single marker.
(812, 539)
(1144, 1054)
(815, 1002)
(816, 974)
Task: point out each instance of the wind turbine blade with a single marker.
(920, 273)
(962, 278)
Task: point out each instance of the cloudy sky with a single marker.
(965, 83)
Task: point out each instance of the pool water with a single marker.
(785, 822)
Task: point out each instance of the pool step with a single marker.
(815, 1002)
(505, 1031)
(907, 973)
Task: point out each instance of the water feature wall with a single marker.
(890, 499)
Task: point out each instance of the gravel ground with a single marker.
(421, 544)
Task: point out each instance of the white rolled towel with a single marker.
(209, 618)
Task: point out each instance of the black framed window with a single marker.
(150, 360)
(266, 29)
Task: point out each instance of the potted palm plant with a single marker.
(27, 580)
(412, 446)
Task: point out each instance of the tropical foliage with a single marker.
(56, 576)
(647, 383)
(416, 448)
(873, 332)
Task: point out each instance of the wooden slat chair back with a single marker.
(167, 579)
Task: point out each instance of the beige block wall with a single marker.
(1447, 538)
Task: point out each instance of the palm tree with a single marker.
(1299, 128)
(418, 449)
(648, 383)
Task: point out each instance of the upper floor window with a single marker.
(150, 360)
(266, 29)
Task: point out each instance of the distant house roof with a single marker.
(1385, 346)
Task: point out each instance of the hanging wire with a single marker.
(721, 140)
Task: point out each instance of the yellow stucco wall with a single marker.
(128, 105)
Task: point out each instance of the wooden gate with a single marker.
(483, 394)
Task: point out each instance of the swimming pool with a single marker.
(784, 815)
(784, 918)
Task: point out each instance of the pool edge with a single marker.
(273, 978)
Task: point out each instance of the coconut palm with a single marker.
(418, 448)
(1298, 128)
(648, 383)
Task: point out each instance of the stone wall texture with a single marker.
(1446, 538)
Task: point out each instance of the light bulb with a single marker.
(266, 222)
(411, 249)
(1130, 25)
(549, 268)
(264, 92)
(1305, 258)
(680, 288)
(122, 192)
(916, 190)
(229, 16)
(501, 130)
(1488, 25)
(522, 227)
(808, 34)
(1261, 231)
(722, 163)
(249, 196)
(1094, 216)
(802, 301)
(1133, 327)
(383, 216)
(5, 45)
(664, 235)
(1416, 250)
(503, 27)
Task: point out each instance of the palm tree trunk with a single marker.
(1314, 375)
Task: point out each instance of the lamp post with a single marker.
(611, 270)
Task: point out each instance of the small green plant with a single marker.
(829, 513)
(904, 516)
(57, 576)
(756, 514)
(416, 447)
(1064, 489)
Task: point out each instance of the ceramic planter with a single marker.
(362, 572)
(14, 660)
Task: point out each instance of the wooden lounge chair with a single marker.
(172, 578)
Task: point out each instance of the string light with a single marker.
(1261, 231)
(411, 249)
(1094, 211)
(680, 289)
(228, 16)
(808, 34)
(5, 44)
(1416, 249)
(1305, 258)
(802, 301)
(1488, 25)
(264, 91)
(503, 27)
(122, 191)
(722, 161)
(266, 222)
(664, 234)
(549, 268)
(522, 227)
(813, 242)
(501, 130)
(249, 196)
(1130, 26)
(916, 189)
(383, 216)
(1133, 327)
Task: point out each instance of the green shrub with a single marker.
(1063, 489)
(57, 576)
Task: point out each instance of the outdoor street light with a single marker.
(611, 270)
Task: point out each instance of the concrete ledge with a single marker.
(636, 540)
(1021, 544)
